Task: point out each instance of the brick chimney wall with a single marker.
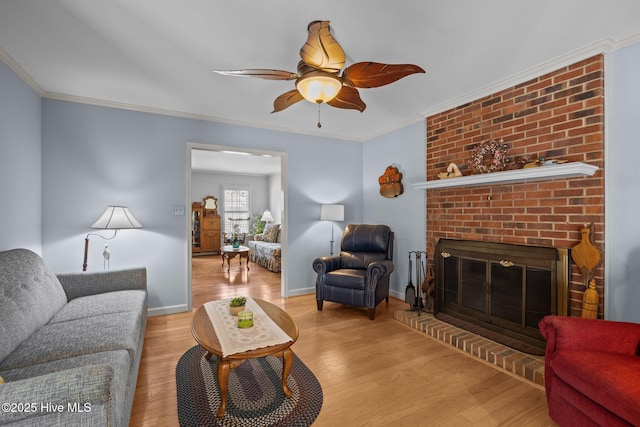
(556, 116)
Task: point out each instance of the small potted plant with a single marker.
(237, 305)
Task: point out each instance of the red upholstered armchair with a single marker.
(592, 371)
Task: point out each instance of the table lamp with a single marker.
(266, 216)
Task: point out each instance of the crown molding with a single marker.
(627, 41)
(600, 47)
(182, 114)
(16, 68)
(395, 127)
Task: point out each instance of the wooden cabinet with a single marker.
(205, 226)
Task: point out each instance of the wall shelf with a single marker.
(566, 170)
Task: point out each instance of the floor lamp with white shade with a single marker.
(114, 218)
(332, 213)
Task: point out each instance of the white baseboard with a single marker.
(303, 291)
(397, 294)
(162, 311)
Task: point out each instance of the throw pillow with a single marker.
(271, 234)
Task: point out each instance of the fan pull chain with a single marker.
(319, 124)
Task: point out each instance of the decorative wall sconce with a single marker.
(391, 182)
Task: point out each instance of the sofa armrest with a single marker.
(82, 284)
(575, 333)
(84, 388)
(258, 237)
(326, 264)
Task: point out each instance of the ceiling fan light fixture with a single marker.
(319, 87)
(318, 79)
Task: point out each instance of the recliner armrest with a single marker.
(326, 264)
(379, 269)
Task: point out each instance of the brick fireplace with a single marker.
(559, 115)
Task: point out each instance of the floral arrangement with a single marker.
(497, 150)
(258, 225)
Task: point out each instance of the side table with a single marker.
(228, 252)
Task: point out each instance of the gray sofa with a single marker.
(70, 345)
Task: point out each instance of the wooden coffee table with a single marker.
(228, 253)
(204, 333)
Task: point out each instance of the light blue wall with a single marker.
(96, 156)
(622, 285)
(405, 214)
(210, 184)
(20, 164)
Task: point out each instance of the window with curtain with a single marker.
(237, 209)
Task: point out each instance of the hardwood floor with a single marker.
(373, 373)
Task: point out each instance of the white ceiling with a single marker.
(157, 55)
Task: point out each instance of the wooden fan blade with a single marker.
(259, 73)
(286, 100)
(348, 98)
(321, 50)
(375, 74)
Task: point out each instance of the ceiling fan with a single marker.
(317, 79)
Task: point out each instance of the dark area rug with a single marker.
(514, 343)
(255, 393)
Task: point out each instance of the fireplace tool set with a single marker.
(414, 294)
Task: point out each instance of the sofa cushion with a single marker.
(611, 380)
(99, 379)
(60, 340)
(30, 294)
(99, 304)
(270, 233)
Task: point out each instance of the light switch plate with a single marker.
(178, 210)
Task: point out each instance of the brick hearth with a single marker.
(523, 365)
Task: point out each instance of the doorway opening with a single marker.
(247, 165)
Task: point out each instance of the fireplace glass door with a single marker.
(509, 287)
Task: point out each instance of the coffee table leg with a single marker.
(287, 361)
(224, 367)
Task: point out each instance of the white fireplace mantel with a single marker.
(566, 170)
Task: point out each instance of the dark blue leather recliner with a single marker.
(359, 276)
